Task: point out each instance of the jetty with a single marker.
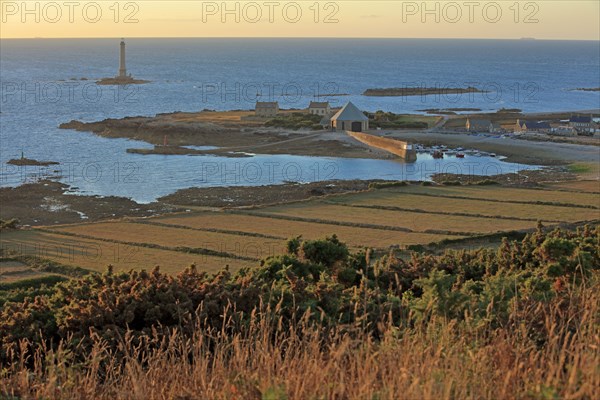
(399, 148)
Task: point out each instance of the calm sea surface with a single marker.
(39, 93)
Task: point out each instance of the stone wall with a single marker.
(396, 147)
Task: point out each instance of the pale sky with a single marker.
(542, 19)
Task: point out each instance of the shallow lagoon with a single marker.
(144, 178)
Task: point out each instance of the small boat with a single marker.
(460, 155)
(438, 154)
(492, 154)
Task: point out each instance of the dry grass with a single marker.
(442, 360)
(13, 271)
(95, 255)
(503, 194)
(214, 117)
(476, 207)
(354, 237)
(242, 246)
(591, 186)
(418, 222)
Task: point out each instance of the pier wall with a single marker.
(397, 147)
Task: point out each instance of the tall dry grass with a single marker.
(546, 351)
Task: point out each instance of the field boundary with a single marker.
(350, 224)
(179, 249)
(538, 203)
(211, 230)
(417, 210)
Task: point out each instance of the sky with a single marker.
(542, 19)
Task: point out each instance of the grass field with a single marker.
(473, 207)
(509, 195)
(13, 271)
(96, 255)
(236, 245)
(414, 221)
(381, 219)
(355, 237)
(584, 186)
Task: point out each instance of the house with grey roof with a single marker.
(582, 123)
(319, 108)
(478, 125)
(532, 126)
(350, 118)
(266, 108)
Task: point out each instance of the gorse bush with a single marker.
(317, 290)
(320, 275)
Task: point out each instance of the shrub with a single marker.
(9, 224)
(451, 183)
(383, 185)
(326, 252)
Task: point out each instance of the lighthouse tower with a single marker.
(122, 69)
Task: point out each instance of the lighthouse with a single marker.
(122, 78)
(122, 69)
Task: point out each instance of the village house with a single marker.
(350, 118)
(495, 127)
(478, 125)
(266, 108)
(564, 130)
(532, 126)
(582, 123)
(319, 108)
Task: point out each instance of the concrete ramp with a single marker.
(399, 148)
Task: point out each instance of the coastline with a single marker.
(232, 134)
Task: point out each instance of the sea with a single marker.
(45, 82)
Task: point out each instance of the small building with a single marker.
(532, 126)
(266, 108)
(350, 118)
(478, 125)
(319, 108)
(564, 130)
(582, 123)
(495, 127)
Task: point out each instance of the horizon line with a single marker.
(300, 37)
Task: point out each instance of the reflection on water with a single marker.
(145, 178)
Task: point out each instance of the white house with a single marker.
(350, 118)
(319, 108)
(582, 123)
